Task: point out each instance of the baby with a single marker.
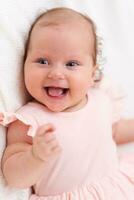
(62, 143)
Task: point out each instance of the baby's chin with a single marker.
(64, 107)
(55, 108)
(60, 108)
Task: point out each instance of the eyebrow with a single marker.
(47, 23)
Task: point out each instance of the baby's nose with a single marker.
(56, 72)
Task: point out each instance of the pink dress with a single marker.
(88, 167)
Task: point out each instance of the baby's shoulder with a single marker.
(99, 96)
(31, 107)
(112, 88)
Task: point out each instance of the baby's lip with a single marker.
(56, 85)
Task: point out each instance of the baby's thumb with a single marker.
(45, 129)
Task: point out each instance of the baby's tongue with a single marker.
(55, 92)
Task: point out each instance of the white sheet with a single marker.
(115, 22)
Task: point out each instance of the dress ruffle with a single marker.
(118, 186)
(8, 117)
(117, 95)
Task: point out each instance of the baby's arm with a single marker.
(123, 131)
(25, 158)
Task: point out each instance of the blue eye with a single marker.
(43, 61)
(72, 64)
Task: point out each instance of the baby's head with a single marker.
(61, 59)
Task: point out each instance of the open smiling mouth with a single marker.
(56, 92)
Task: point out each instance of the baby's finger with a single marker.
(57, 149)
(53, 144)
(45, 129)
(48, 137)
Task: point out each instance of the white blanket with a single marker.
(16, 17)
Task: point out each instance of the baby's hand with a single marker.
(45, 145)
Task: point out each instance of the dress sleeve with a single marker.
(25, 115)
(117, 96)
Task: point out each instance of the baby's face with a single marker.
(59, 66)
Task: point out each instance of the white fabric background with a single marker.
(114, 20)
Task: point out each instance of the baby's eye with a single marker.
(42, 61)
(72, 64)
